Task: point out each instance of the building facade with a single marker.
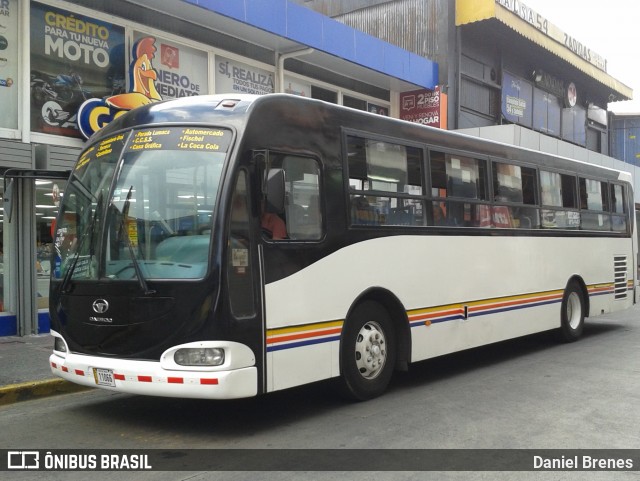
(67, 67)
(509, 73)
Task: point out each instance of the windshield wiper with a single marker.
(134, 260)
(89, 234)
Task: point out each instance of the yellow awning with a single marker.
(540, 31)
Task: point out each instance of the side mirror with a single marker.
(275, 191)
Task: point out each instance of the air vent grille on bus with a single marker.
(620, 277)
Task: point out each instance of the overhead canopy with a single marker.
(533, 26)
(284, 27)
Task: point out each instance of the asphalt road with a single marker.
(531, 393)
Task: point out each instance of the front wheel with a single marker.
(367, 352)
(572, 313)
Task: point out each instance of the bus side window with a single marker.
(302, 209)
(385, 183)
(618, 217)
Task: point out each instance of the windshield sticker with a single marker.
(240, 260)
(149, 139)
(186, 138)
(85, 158)
(105, 147)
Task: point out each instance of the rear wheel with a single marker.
(572, 314)
(367, 352)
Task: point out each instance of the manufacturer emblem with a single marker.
(100, 306)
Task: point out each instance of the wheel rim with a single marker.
(574, 310)
(371, 350)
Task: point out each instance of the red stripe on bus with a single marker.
(119, 377)
(65, 369)
(175, 380)
(209, 381)
(79, 372)
(144, 378)
(54, 365)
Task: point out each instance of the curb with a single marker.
(27, 391)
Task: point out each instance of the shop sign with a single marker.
(73, 58)
(529, 15)
(159, 70)
(237, 77)
(517, 100)
(548, 82)
(421, 106)
(9, 63)
(571, 95)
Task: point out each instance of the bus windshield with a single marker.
(140, 206)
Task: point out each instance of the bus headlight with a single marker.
(199, 356)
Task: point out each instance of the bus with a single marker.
(403, 243)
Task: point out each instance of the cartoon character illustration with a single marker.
(143, 78)
(95, 113)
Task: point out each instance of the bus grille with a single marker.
(620, 277)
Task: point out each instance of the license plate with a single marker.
(104, 377)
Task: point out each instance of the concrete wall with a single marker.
(522, 137)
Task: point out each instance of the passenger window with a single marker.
(512, 183)
(457, 176)
(302, 215)
(393, 172)
(618, 218)
(461, 181)
(593, 195)
(559, 191)
(517, 185)
(594, 200)
(617, 199)
(384, 166)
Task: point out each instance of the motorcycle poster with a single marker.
(73, 58)
(9, 63)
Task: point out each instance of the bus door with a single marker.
(291, 234)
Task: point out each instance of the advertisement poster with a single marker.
(296, 87)
(233, 76)
(517, 100)
(377, 109)
(73, 58)
(546, 112)
(422, 106)
(9, 63)
(181, 71)
(158, 70)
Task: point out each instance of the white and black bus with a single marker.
(395, 243)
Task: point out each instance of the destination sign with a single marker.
(199, 139)
(102, 148)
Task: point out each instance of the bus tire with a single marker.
(367, 352)
(572, 313)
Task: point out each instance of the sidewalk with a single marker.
(24, 369)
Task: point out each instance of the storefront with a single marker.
(68, 67)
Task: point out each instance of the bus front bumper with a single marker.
(153, 379)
